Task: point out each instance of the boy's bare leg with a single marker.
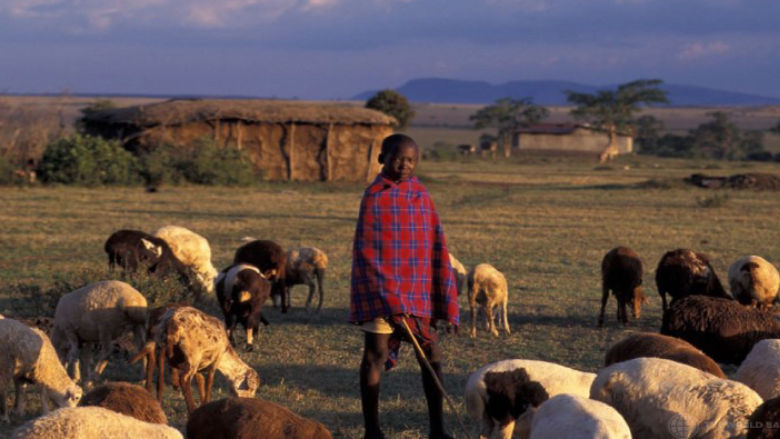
(432, 393)
(375, 354)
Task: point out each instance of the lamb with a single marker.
(765, 421)
(100, 312)
(460, 273)
(133, 250)
(754, 281)
(271, 259)
(657, 397)
(488, 287)
(28, 356)
(649, 344)
(761, 369)
(304, 266)
(194, 341)
(128, 399)
(621, 272)
(246, 418)
(554, 379)
(684, 272)
(575, 417)
(241, 291)
(193, 251)
(92, 422)
(723, 329)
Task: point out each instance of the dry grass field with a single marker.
(544, 222)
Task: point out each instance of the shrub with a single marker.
(6, 171)
(88, 161)
(209, 164)
(161, 166)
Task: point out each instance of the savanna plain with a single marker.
(544, 222)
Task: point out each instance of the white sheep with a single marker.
(664, 398)
(575, 417)
(460, 273)
(193, 251)
(28, 356)
(754, 281)
(98, 313)
(305, 265)
(92, 422)
(761, 369)
(555, 379)
(488, 288)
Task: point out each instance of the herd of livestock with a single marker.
(666, 385)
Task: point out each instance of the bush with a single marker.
(88, 161)
(161, 166)
(209, 164)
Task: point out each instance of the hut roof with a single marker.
(178, 111)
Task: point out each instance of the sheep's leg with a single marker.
(201, 387)
(103, 356)
(489, 308)
(487, 427)
(663, 300)
(623, 312)
(210, 380)
(320, 274)
(19, 401)
(505, 432)
(505, 316)
(604, 299)
(73, 357)
(4, 403)
(230, 323)
(312, 287)
(473, 320)
(161, 374)
(150, 362)
(185, 382)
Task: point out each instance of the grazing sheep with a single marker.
(460, 273)
(150, 350)
(723, 329)
(248, 418)
(133, 249)
(29, 357)
(193, 251)
(98, 313)
(649, 344)
(761, 369)
(128, 399)
(575, 417)
(655, 395)
(764, 423)
(621, 272)
(554, 379)
(194, 341)
(271, 259)
(487, 286)
(684, 272)
(754, 281)
(92, 422)
(304, 266)
(241, 291)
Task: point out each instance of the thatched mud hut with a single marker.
(570, 137)
(286, 140)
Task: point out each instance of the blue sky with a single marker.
(337, 48)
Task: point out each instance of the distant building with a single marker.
(568, 137)
(287, 140)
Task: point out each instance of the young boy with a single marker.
(400, 270)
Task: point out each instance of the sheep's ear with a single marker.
(156, 249)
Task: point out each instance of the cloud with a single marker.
(697, 50)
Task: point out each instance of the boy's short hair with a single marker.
(393, 142)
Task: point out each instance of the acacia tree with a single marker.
(507, 115)
(614, 110)
(393, 104)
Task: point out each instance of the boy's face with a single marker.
(400, 165)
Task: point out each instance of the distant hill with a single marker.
(551, 92)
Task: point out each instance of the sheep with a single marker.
(150, 350)
(100, 312)
(192, 250)
(245, 418)
(241, 291)
(723, 329)
(194, 341)
(657, 397)
(487, 286)
(684, 272)
(133, 249)
(92, 422)
(764, 423)
(761, 369)
(29, 357)
(460, 273)
(554, 379)
(128, 399)
(754, 281)
(575, 417)
(621, 272)
(649, 344)
(271, 259)
(304, 266)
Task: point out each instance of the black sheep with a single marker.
(133, 250)
(621, 272)
(241, 291)
(684, 272)
(271, 259)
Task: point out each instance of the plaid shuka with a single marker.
(400, 261)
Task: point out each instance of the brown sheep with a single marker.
(305, 265)
(723, 329)
(128, 399)
(241, 291)
(249, 418)
(621, 272)
(510, 394)
(754, 281)
(684, 272)
(649, 344)
(150, 351)
(488, 288)
(271, 259)
(133, 250)
(764, 423)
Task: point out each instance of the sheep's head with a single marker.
(246, 385)
(510, 394)
(638, 299)
(69, 398)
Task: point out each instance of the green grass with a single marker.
(545, 222)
